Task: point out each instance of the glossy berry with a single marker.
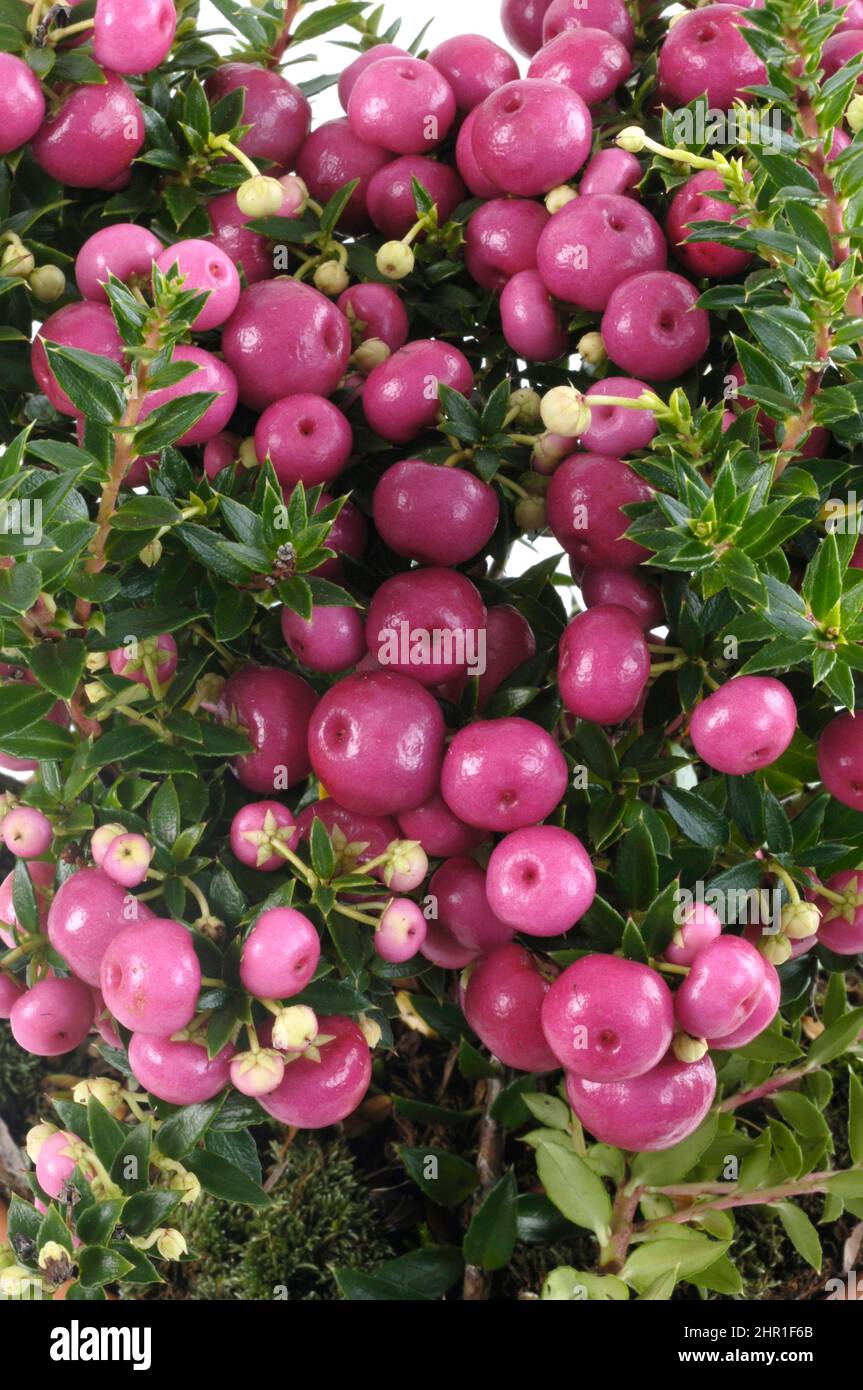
(442, 948)
(306, 438)
(540, 880)
(210, 375)
(651, 321)
(609, 15)
(354, 70)
(699, 927)
(596, 243)
(284, 338)
(531, 135)
(280, 955)
(502, 239)
(249, 251)
(150, 977)
(356, 838)
(22, 103)
(401, 396)
(133, 38)
(401, 931)
(440, 832)
(604, 664)
(53, 1017)
(692, 204)
(522, 23)
(276, 110)
(332, 156)
(761, 1017)
(474, 66)
(722, 988)
(376, 743)
(611, 171)
(257, 830)
(375, 311)
(136, 661)
(317, 1093)
(27, 832)
(840, 759)
(459, 888)
(127, 860)
(510, 642)
(403, 105)
(841, 928)
(427, 623)
(591, 62)
(606, 1018)
(10, 991)
(391, 201)
(532, 325)
(437, 516)
(87, 326)
(478, 183)
(656, 1110)
(123, 250)
(745, 725)
(180, 1073)
(274, 708)
(502, 1003)
(704, 53)
(503, 774)
(331, 640)
(56, 1162)
(614, 429)
(93, 136)
(87, 912)
(220, 452)
(584, 510)
(204, 269)
(624, 589)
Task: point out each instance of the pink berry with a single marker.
(249, 251)
(22, 104)
(93, 136)
(317, 1093)
(438, 516)
(123, 250)
(604, 664)
(257, 1073)
(584, 510)
(150, 977)
(706, 54)
(88, 911)
(179, 1073)
(401, 932)
(220, 452)
(133, 38)
(474, 66)
(502, 239)
(532, 325)
(761, 1017)
(653, 1111)
(348, 536)
(722, 988)
(87, 326)
(840, 759)
(692, 204)
(841, 928)
(401, 395)
(652, 319)
(438, 830)
(745, 725)
(132, 660)
(510, 642)
(391, 201)
(699, 927)
(274, 708)
(307, 439)
(356, 837)
(839, 49)
(401, 104)
(531, 135)
(478, 183)
(127, 860)
(610, 15)
(332, 156)
(204, 268)
(276, 110)
(331, 640)
(540, 880)
(280, 955)
(427, 623)
(102, 838)
(284, 338)
(211, 374)
(591, 62)
(503, 774)
(255, 830)
(10, 991)
(611, 171)
(376, 742)
(27, 832)
(442, 948)
(375, 311)
(56, 1162)
(614, 429)
(606, 1018)
(354, 70)
(502, 1003)
(624, 589)
(42, 878)
(459, 888)
(53, 1017)
(522, 23)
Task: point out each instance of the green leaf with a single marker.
(700, 822)
(95, 1225)
(822, 583)
(321, 851)
(224, 1180)
(574, 1188)
(460, 418)
(22, 706)
(54, 1228)
(855, 1118)
(655, 1258)
(445, 1178)
(836, 1039)
(491, 1236)
(165, 814)
(672, 1165)
(146, 1210)
(548, 1110)
(801, 1114)
(421, 1276)
(98, 1265)
(93, 384)
(106, 1134)
(24, 898)
(800, 1232)
(58, 666)
(637, 867)
(234, 613)
(178, 1135)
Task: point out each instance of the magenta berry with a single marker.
(591, 62)
(427, 623)
(150, 977)
(624, 589)
(584, 510)
(257, 832)
(699, 927)
(462, 905)
(284, 338)
(474, 66)
(87, 912)
(204, 269)
(439, 830)
(87, 326)
(442, 948)
(503, 774)
(220, 452)
(611, 171)
(276, 110)
(401, 104)
(331, 640)
(745, 725)
(334, 155)
(532, 326)
(401, 931)
(127, 859)
(761, 1017)
(22, 105)
(840, 759)
(606, 1018)
(522, 23)
(307, 439)
(478, 183)
(53, 1017)
(376, 742)
(356, 838)
(401, 398)
(614, 429)
(604, 664)
(180, 1073)
(656, 1110)
(274, 708)
(610, 15)
(280, 955)
(93, 136)
(540, 880)
(42, 878)
(354, 70)
(27, 832)
(10, 992)
(652, 319)
(139, 659)
(692, 204)
(211, 374)
(123, 250)
(375, 311)
(249, 251)
(502, 239)
(705, 54)
(437, 516)
(510, 642)
(531, 135)
(323, 1089)
(391, 201)
(56, 1162)
(502, 1003)
(133, 38)
(841, 928)
(722, 988)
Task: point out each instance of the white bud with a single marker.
(260, 197)
(395, 260)
(564, 411)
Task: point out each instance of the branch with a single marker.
(489, 1160)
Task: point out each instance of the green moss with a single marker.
(20, 1083)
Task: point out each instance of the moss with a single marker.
(20, 1084)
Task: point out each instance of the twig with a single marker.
(489, 1159)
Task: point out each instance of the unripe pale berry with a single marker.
(27, 832)
(102, 838)
(260, 197)
(564, 411)
(127, 859)
(257, 1073)
(800, 920)
(36, 1137)
(331, 278)
(395, 260)
(370, 354)
(17, 260)
(407, 867)
(591, 349)
(48, 283)
(294, 1028)
(257, 832)
(401, 931)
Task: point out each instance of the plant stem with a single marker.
(775, 1083)
(489, 1160)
